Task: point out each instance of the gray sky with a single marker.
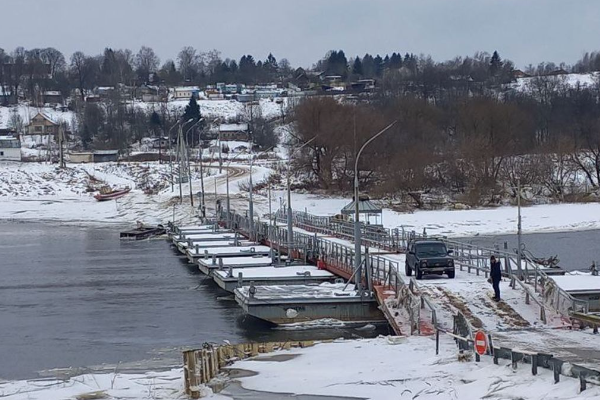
(525, 31)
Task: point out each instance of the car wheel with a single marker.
(418, 272)
(451, 274)
(407, 270)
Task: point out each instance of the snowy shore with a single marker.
(382, 368)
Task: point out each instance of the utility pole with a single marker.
(171, 154)
(188, 150)
(519, 268)
(227, 184)
(180, 157)
(190, 176)
(290, 225)
(216, 200)
(251, 205)
(61, 139)
(203, 204)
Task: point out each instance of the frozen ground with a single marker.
(389, 368)
(226, 109)
(151, 385)
(399, 369)
(463, 223)
(40, 191)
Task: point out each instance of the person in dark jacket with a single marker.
(495, 276)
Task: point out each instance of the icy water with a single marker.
(79, 297)
(575, 250)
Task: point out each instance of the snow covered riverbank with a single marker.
(43, 192)
(33, 191)
(463, 223)
(381, 368)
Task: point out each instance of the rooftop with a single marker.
(365, 206)
(233, 127)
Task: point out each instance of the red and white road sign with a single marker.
(481, 343)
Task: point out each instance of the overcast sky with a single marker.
(525, 31)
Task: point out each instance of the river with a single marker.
(79, 297)
(575, 250)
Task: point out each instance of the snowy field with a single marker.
(43, 192)
(389, 368)
(225, 109)
(463, 223)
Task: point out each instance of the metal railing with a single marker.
(467, 256)
(311, 247)
(373, 235)
(530, 277)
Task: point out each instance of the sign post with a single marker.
(480, 344)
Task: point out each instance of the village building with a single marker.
(52, 97)
(233, 132)
(95, 156)
(10, 148)
(41, 129)
(104, 91)
(186, 92)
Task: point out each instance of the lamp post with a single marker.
(290, 226)
(188, 159)
(170, 153)
(251, 205)
(357, 240)
(519, 268)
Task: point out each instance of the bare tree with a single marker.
(146, 61)
(55, 59)
(187, 60)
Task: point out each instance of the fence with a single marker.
(202, 365)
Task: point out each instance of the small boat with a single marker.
(111, 195)
(143, 232)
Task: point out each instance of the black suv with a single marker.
(429, 257)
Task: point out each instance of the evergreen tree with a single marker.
(357, 68)
(368, 66)
(192, 110)
(155, 122)
(495, 64)
(270, 65)
(378, 61)
(337, 64)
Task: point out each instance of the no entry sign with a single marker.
(480, 343)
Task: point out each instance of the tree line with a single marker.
(31, 71)
(473, 149)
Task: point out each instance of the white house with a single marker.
(185, 92)
(10, 149)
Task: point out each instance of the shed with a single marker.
(106, 155)
(81, 157)
(10, 148)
